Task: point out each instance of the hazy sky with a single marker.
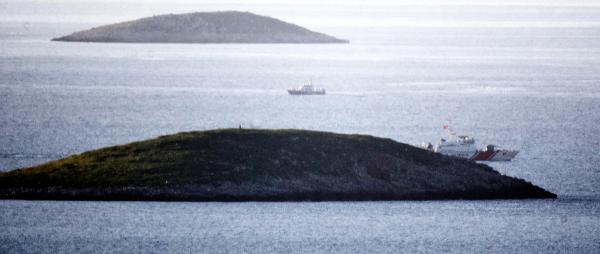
(323, 13)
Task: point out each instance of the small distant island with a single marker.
(263, 165)
(202, 27)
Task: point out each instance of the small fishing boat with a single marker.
(306, 90)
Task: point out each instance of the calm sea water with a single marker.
(523, 77)
(559, 226)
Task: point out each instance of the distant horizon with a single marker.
(316, 14)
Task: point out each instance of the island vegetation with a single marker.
(263, 165)
(202, 27)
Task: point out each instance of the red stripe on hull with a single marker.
(483, 155)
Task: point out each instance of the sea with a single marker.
(523, 75)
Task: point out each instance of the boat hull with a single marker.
(497, 155)
(295, 92)
(476, 154)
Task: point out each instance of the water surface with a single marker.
(524, 76)
(528, 226)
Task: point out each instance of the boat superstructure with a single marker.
(460, 146)
(306, 90)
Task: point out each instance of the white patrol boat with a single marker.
(306, 90)
(464, 147)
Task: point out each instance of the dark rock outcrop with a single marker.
(202, 27)
(246, 164)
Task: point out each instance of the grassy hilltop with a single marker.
(248, 164)
(202, 27)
